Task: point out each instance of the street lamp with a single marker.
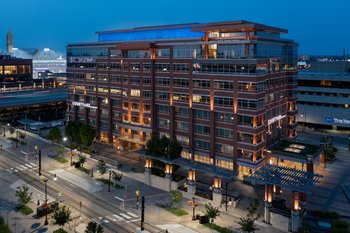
(226, 195)
(194, 204)
(137, 192)
(109, 179)
(45, 179)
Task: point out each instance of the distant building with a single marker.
(324, 95)
(44, 60)
(15, 70)
(9, 42)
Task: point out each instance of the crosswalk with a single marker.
(121, 217)
(23, 167)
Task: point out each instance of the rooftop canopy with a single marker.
(193, 165)
(286, 177)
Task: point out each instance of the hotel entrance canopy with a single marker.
(285, 177)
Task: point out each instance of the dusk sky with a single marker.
(320, 26)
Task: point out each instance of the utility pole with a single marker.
(109, 179)
(142, 213)
(39, 162)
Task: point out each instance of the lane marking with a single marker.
(132, 214)
(96, 220)
(118, 198)
(19, 168)
(27, 165)
(125, 216)
(24, 167)
(16, 170)
(118, 217)
(33, 164)
(24, 152)
(105, 220)
(112, 219)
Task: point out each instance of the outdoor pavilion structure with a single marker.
(192, 167)
(277, 177)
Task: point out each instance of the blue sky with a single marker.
(320, 26)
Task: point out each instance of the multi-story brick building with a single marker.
(225, 91)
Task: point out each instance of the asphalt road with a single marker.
(92, 205)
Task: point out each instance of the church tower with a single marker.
(9, 42)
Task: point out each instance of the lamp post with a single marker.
(194, 204)
(137, 192)
(109, 179)
(45, 179)
(39, 152)
(226, 195)
(142, 213)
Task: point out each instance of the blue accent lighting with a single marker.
(173, 33)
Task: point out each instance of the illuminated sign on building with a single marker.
(85, 105)
(277, 118)
(337, 120)
(81, 59)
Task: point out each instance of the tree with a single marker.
(12, 130)
(175, 197)
(248, 223)
(73, 131)
(101, 167)
(93, 227)
(60, 150)
(87, 134)
(117, 176)
(212, 212)
(61, 216)
(82, 160)
(23, 196)
(175, 149)
(55, 135)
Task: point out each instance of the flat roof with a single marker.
(182, 31)
(28, 98)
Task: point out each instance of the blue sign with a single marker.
(329, 119)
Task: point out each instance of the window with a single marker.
(245, 120)
(116, 66)
(181, 111)
(251, 87)
(202, 129)
(162, 81)
(146, 67)
(146, 81)
(181, 125)
(202, 99)
(181, 68)
(202, 114)
(201, 84)
(187, 51)
(181, 97)
(224, 133)
(134, 66)
(162, 67)
(116, 53)
(163, 108)
(223, 148)
(226, 117)
(244, 137)
(163, 123)
(102, 65)
(248, 103)
(162, 95)
(146, 94)
(162, 53)
(224, 86)
(134, 92)
(201, 144)
(115, 78)
(147, 108)
(135, 80)
(183, 140)
(223, 101)
(180, 82)
(224, 164)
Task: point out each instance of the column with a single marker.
(148, 167)
(168, 177)
(277, 192)
(191, 188)
(295, 212)
(268, 203)
(217, 192)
